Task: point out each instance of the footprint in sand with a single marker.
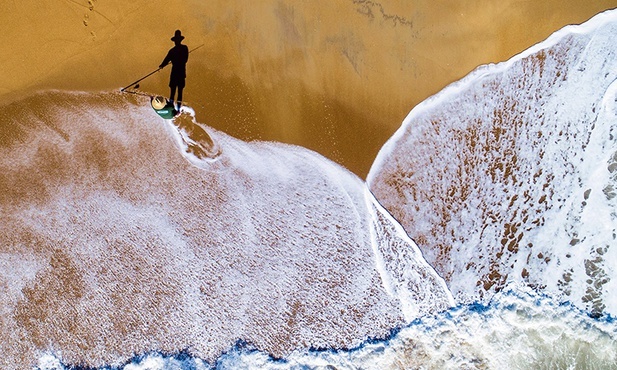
(91, 8)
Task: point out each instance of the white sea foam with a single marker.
(510, 173)
(519, 329)
(401, 265)
(137, 244)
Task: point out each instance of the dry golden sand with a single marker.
(334, 76)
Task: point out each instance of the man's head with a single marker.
(177, 37)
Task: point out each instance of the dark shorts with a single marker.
(177, 83)
(177, 79)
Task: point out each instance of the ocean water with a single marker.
(518, 329)
(509, 175)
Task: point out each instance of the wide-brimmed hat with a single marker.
(177, 36)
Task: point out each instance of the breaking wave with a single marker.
(517, 329)
(510, 174)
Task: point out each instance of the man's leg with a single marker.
(179, 96)
(172, 94)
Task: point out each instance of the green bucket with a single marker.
(163, 107)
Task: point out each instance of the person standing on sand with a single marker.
(178, 56)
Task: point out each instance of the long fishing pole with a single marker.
(153, 72)
(138, 81)
(137, 93)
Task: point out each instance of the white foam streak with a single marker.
(403, 270)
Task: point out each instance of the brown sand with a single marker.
(337, 77)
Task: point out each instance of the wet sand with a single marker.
(338, 77)
(117, 240)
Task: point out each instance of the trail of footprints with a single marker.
(87, 16)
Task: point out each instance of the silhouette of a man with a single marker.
(178, 56)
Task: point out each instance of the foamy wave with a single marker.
(518, 329)
(114, 244)
(509, 174)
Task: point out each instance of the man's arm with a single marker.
(166, 60)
